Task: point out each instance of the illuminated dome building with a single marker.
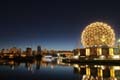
(98, 34)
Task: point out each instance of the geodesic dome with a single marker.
(98, 34)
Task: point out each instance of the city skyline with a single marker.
(52, 24)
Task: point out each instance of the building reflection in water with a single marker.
(86, 72)
(97, 72)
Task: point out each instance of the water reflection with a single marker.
(58, 70)
(97, 72)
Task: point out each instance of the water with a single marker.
(39, 70)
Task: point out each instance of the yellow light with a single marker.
(23, 55)
(98, 33)
(116, 67)
(111, 52)
(116, 57)
(100, 72)
(11, 62)
(76, 65)
(112, 72)
(11, 56)
(87, 51)
(99, 51)
(76, 57)
(102, 57)
(88, 71)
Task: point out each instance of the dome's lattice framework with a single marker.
(98, 34)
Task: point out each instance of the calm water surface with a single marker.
(39, 70)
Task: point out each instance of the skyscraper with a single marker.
(39, 50)
(28, 51)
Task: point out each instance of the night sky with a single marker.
(53, 24)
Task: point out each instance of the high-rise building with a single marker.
(29, 51)
(39, 50)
